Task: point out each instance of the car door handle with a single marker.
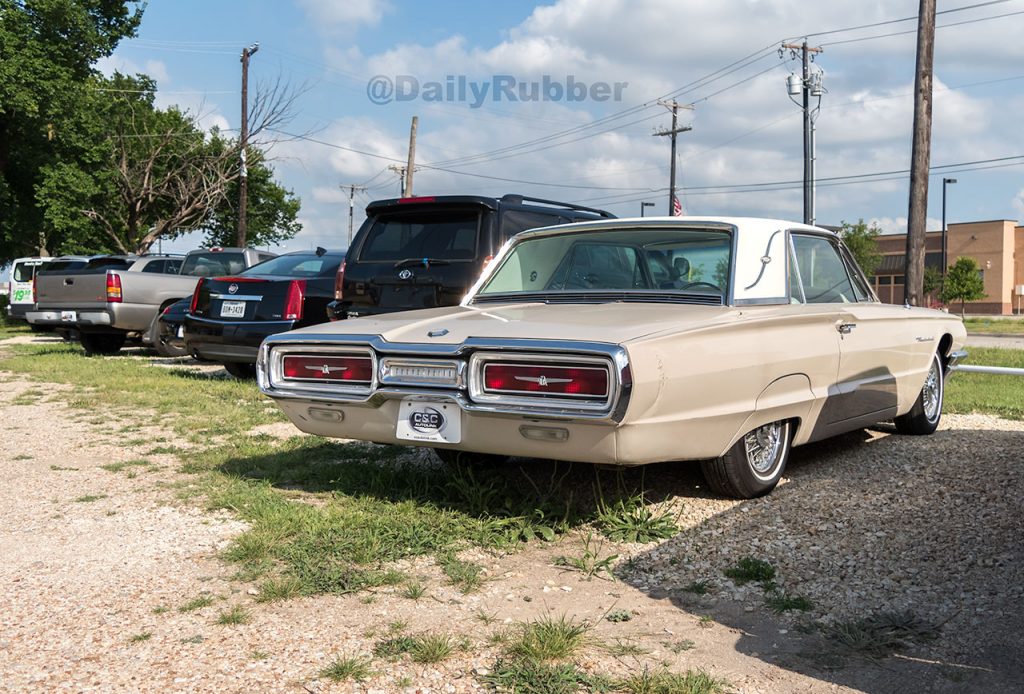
(68, 281)
(846, 328)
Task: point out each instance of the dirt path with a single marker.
(97, 566)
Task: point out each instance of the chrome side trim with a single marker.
(237, 297)
(268, 370)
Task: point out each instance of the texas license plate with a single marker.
(68, 316)
(424, 420)
(232, 309)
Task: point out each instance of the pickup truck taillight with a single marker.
(339, 282)
(113, 288)
(195, 297)
(293, 300)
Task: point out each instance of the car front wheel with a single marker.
(923, 418)
(754, 464)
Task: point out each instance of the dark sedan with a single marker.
(230, 316)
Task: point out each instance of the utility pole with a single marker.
(411, 165)
(352, 188)
(400, 170)
(243, 142)
(945, 182)
(917, 222)
(675, 130)
(809, 85)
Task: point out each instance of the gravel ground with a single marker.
(863, 524)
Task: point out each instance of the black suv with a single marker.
(424, 252)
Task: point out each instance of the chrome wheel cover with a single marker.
(765, 446)
(931, 393)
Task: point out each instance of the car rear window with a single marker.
(305, 265)
(441, 235)
(213, 264)
(61, 266)
(104, 264)
(24, 272)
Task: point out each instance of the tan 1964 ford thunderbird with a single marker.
(625, 342)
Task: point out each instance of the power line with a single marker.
(914, 31)
(904, 19)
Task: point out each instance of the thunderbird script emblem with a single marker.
(232, 288)
(405, 274)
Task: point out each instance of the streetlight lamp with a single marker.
(945, 182)
(643, 205)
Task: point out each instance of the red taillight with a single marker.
(349, 369)
(427, 198)
(339, 282)
(195, 297)
(34, 295)
(589, 381)
(113, 288)
(293, 300)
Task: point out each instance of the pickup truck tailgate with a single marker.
(78, 290)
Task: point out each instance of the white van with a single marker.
(20, 293)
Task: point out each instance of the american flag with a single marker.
(677, 207)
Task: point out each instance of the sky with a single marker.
(743, 155)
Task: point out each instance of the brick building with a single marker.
(997, 245)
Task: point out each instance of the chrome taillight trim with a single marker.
(612, 411)
(478, 392)
(388, 364)
(275, 369)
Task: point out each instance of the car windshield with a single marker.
(213, 263)
(300, 265)
(640, 261)
(438, 235)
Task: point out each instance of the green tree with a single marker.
(963, 283)
(862, 241)
(272, 211)
(47, 52)
(932, 280)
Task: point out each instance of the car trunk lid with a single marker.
(250, 298)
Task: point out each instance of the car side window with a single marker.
(157, 266)
(860, 286)
(796, 290)
(823, 275)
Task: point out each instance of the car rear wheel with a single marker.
(754, 464)
(100, 343)
(160, 337)
(924, 416)
(240, 370)
(465, 458)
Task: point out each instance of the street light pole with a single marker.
(644, 205)
(945, 182)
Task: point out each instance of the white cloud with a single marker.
(344, 14)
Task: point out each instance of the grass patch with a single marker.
(464, 575)
(422, 648)
(414, 590)
(161, 609)
(778, 601)
(697, 587)
(590, 563)
(987, 326)
(61, 468)
(666, 682)
(549, 638)
(89, 498)
(987, 393)
(236, 615)
(751, 570)
(346, 669)
(196, 603)
(532, 676)
(279, 588)
(22, 456)
(617, 616)
(139, 638)
(880, 635)
(118, 467)
(631, 520)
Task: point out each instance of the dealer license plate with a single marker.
(68, 316)
(424, 420)
(232, 309)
